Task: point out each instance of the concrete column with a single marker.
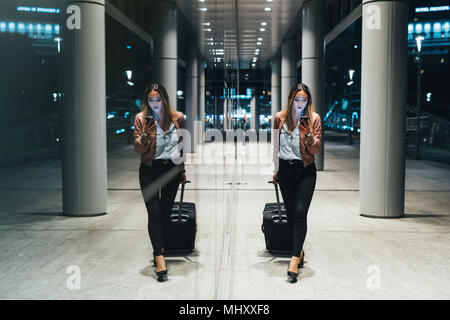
(383, 102)
(313, 61)
(276, 85)
(289, 55)
(191, 94)
(84, 174)
(201, 98)
(165, 37)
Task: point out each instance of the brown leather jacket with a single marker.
(148, 151)
(307, 151)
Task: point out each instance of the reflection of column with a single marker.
(225, 110)
(276, 102)
(383, 102)
(289, 54)
(253, 112)
(257, 112)
(84, 122)
(164, 31)
(312, 60)
(192, 93)
(201, 97)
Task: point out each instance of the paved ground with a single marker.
(347, 256)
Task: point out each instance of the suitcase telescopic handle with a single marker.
(278, 199)
(180, 207)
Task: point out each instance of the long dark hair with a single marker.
(169, 114)
(287, 112)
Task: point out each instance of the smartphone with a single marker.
(304, 120)
(149, 119)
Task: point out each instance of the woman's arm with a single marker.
(316, 144)
(139, 146)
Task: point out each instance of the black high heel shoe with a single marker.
(291, 276)
(162, 275)
(301, 261)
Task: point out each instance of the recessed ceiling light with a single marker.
(264, 23)
(267, 9)
(203, 9)
(262, 29)
(259, 39)
(205, 23)
(258, 43)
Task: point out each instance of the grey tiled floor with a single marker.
(344, 251)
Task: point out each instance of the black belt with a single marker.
(292, 162)
(162, 162)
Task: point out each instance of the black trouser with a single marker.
(159, 186)
(297, 185)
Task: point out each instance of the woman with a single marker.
(157, 140)
(298, 134)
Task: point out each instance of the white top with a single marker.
(166, 144)
(289, 144)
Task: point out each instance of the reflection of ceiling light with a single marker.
(351, 72)
(129, 74)
(259, 39)
(130, 83)
(419, 42)
(179, 93)
(258, 43)
(267, 9)
(206, 23)
(253, 64)
(202, 9)
(264, 23)
(207, 29)
(262, 29)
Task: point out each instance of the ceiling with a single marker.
(240, 30)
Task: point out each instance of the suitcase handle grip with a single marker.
(278, 200)
(180, 207)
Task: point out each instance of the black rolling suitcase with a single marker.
(275, 226)
(182, 226)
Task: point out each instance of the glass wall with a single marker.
(31, 83)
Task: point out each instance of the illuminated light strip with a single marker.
(22, 27)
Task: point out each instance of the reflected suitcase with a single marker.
(182, 226)
(275, 226)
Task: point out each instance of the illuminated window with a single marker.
(437, 27)
(419, 28)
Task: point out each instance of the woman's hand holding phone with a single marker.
(305, 129)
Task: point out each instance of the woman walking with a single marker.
(297, 140)
(157, 140)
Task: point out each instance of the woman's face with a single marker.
(300, 101)
(154, 101)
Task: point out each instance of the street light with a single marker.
(418, 60)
